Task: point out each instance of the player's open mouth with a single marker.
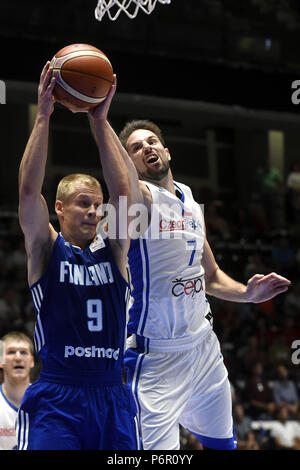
(19, 367)
(152, 159)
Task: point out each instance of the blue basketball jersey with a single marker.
(81, 304)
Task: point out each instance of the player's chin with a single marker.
(89, 229)
(20, 373)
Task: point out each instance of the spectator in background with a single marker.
(215, 223)
(259, 395)
(293, 193)
(252, 354)
(284, 257)
(279, 351)
(270, 186)
(290, 330)
(285, 391)
(264, 332)
(292, 300)
(17, 265)
(286, 434)
(250, 442)
(18, 258)
(255, 264)
(242, 424)
(19, 360)
(10, 307)
(257, 215)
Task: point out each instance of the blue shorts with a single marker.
(67, 417)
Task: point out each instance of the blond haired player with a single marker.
(79, 285)
(18, 362)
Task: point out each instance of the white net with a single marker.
(131, 7)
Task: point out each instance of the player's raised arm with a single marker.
(113, 166)
(136, 184)
(33, 211)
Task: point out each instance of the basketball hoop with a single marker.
(131, 7)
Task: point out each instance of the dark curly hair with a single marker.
(132, 126)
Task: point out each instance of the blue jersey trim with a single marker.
(7, 401)
(139, 268)
(215, 443)
(181, 190)
(147, 285)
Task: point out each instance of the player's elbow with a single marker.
(211, 277)
(27, 193)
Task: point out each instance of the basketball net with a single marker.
(131, 7)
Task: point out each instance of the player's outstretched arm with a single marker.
(116, 178)
(33, 211)
(259, 288)
(102, 112)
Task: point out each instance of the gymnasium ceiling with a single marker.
(227, 51)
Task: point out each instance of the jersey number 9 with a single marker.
(94, 312)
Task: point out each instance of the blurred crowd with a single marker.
(259, 341)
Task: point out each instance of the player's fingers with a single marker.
(44, 73)
(112, 90)
(45, 68)
(280, 282)
(46, 79)
(276, 276)
(52, 84)
(255, 278)
(280, 289)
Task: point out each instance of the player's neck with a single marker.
(14, 391)
(166, 182)
(82, 244)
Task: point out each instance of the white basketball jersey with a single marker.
(8, 416)
(167, 277)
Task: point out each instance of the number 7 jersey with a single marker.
(81, 304)
(168, 296)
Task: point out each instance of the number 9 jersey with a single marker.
(81, 303)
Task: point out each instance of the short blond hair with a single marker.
(19, 336)
(66, 185)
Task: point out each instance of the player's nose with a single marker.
(92, 212)
(147, 146)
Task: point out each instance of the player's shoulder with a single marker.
(183, 187)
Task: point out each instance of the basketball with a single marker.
(84, 76)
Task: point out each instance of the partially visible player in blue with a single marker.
(79, 286)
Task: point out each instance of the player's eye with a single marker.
(136, 147)
(84, 203)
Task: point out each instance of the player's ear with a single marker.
(168, 154)
(59, 208)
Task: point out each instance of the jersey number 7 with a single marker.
(193, 244)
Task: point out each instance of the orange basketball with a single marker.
(84, 76)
